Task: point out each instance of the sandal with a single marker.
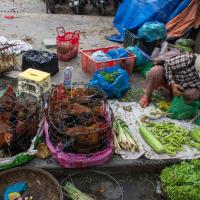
(144, 102)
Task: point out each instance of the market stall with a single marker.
(93, 124)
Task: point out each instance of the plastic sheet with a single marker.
(17, 187)
(189, 18)
(152, 31)
(143, 62)
(180, 110)
(132, 121)
(142, 57)
(112, 54)
(100, 56)
(40, 60)
(118, 53)
(141, 11)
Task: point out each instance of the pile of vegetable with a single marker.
(172, 136)
(167, 137)
(73, 193)
(123, 138)
(184, 45)
(181, 181)
(111, 76)
(195, 136)
(135, 94)
(163, 105)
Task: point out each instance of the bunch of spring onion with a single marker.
(123, 138)
(73, 193)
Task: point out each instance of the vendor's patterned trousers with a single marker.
(156, 79)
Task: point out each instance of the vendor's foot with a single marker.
(144, 102)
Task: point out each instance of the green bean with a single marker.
(170, 135)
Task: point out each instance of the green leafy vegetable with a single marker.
(185, 42)
(110, 77)
(196, 135)
(182, 181)
(135, 94)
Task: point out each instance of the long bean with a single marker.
(169, 134)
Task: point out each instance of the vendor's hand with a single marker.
(177, 90)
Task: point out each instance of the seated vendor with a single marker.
(180, 74)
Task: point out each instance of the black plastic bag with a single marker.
(40, 60)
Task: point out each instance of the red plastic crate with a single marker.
(90, 66)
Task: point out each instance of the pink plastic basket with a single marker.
(72, 160)
(90, 66)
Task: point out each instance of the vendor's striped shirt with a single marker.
(181, 70)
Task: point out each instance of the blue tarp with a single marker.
(132, 14)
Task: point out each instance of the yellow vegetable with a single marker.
(14, 196)
(163, 105)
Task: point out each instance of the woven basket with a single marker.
(7, 58)
(73, 160)
(41, 184)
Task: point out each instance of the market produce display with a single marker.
(110, 77)
(169, 138)
(123, 138)
(172, 136)
(74, 193)
(135, 94)
(181, 181)
(77, 119)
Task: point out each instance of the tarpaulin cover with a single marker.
(132, 14)
(187, 19)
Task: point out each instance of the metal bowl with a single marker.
(96, 184)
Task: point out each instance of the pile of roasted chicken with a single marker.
(18, 123)
(77, 119)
